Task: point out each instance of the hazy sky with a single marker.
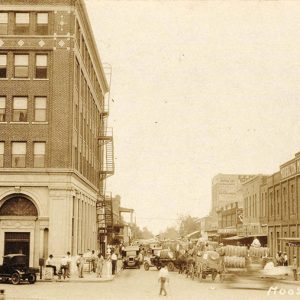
(199, 88)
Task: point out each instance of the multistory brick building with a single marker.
(283, 208)
(55, 152)
(254, 207)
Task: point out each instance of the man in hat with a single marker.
(294, 267)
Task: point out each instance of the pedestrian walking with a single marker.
(294, 267)
(163, 277)
(114, 259)
(80, 265)
(100, 262)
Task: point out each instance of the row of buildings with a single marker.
(56, 150)
(266, 206)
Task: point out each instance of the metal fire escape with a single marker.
(107, 168)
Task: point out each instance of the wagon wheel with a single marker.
(31, 278)
(146, 266)
(15, 278)
(171, 266)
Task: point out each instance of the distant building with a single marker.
(227, 189)
(55, 150)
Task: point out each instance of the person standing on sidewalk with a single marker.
(69, 261)
(93, 261)
(163, 277)
(294, 267)
(114, 259)
(100, 262)
(80, 265)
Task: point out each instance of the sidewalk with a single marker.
(87, 276)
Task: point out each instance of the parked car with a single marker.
(14, 269)
(131, 257)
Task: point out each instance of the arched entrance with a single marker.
(18, 215)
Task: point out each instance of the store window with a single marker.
(3, 22)
(39, 154)
(40, 109)
(2, 109)
(21, 66)
(3, 65)
(22, 23)
(41, 62)
(20, 109)
(18, 154)
(42, 23)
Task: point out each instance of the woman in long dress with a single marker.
(108, 265)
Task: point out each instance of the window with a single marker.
(1, 154)
(3, 65)
(22, 23)
(2, 109)
(3, 22)
(42, 23)
(40, 109)
(41, 61)
(21, 65)
(18, 154)
(20, 109)
(39, 154)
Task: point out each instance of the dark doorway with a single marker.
(17, 242)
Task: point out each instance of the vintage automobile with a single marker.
(131, 257)
(14, 269)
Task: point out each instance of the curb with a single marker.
(81, 280)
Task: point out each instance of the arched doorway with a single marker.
(14, 210)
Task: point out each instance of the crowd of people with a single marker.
(91, 260)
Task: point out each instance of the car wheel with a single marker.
(171, 267)
(146, 266)
(158, 268)
(15, 278)
(32, 278)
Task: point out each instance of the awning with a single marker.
(192, 233)
(234, 238)
(213, 235)
(257, 235)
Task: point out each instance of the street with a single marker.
(138, 284)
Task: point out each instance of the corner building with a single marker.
(53, 110)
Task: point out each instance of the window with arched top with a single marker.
(18, 206)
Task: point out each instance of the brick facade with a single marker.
(67, 186)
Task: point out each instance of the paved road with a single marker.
(136, 284)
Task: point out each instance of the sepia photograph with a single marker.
(149, 149)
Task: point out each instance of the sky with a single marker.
(198, 88)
